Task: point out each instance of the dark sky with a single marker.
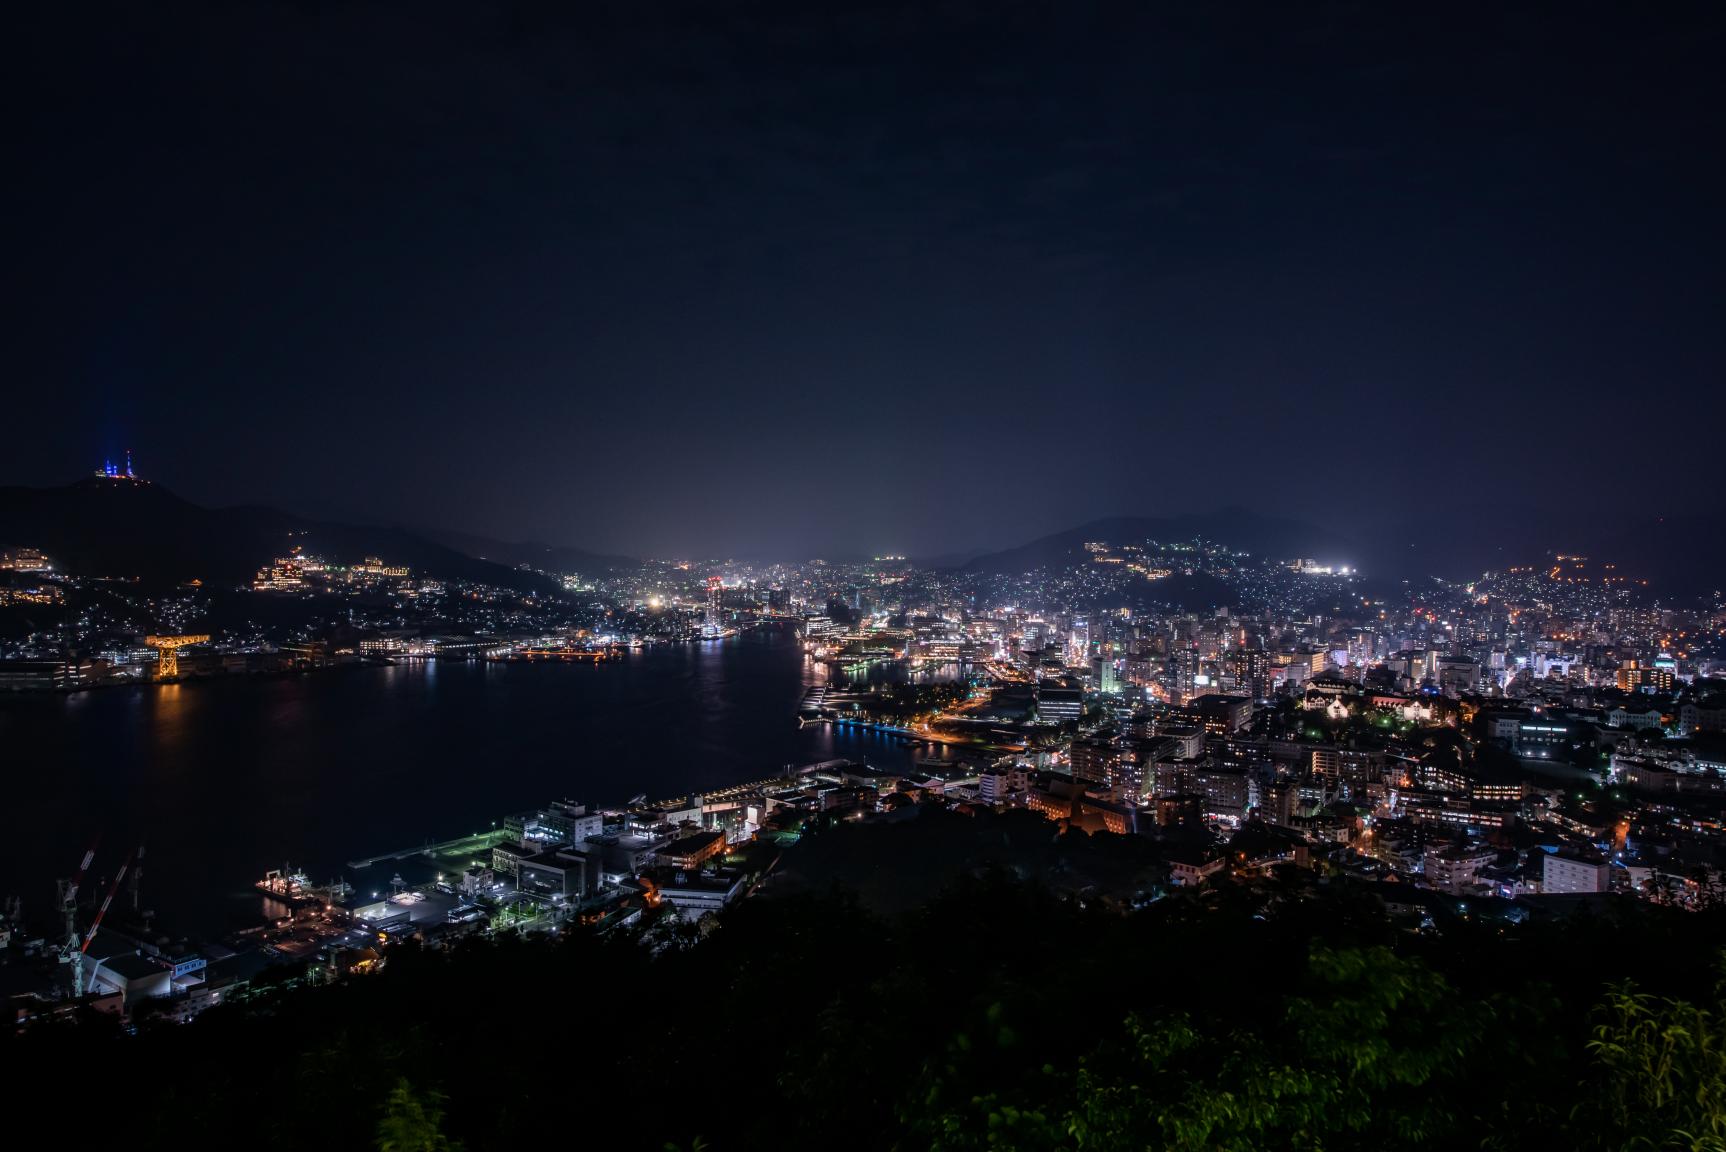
(728, 277)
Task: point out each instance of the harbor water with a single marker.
(221, 780)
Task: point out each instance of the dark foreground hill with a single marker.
(118, 528)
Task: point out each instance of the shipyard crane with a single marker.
(137, 879)
(78, 960)
(168, 652)
(69, 953)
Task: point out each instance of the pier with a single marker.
(477, 842)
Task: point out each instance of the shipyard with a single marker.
(545, 870)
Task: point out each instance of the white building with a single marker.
(1455, 869)
(1568, 874)
(992, 787)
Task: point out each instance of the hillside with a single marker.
(101, 527)
(966, 1020)
(1679, 555)
(1234, 527)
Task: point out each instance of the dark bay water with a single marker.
(221, 780)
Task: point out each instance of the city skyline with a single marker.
(948, 575)
(1682, 554)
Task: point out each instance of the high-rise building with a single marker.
(715, 587)
(1185, 675)
(1078, 643)
(1641, 676)
(1128, 780)
(1095, 760)
(1105, 675)
(1248, 672)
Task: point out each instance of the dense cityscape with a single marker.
(1182, 718)
(1493, 749)
(939, 577)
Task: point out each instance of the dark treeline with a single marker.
(1281, 1014)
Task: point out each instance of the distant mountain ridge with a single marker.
(117, 528)
(98, 527)
(1679, 555)
(1236, 528)
(532, 553)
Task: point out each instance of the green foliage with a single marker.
(1351, 1063)
(1283, 1013)
(413, 1122)
(1660, 1073)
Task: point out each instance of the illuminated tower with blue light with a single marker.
(112, 471)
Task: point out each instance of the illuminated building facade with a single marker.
(715, 609)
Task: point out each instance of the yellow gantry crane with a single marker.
(168, 652)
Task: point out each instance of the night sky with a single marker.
(728, 278)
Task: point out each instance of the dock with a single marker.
(477, 842)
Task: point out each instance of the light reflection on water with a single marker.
(222, 780)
